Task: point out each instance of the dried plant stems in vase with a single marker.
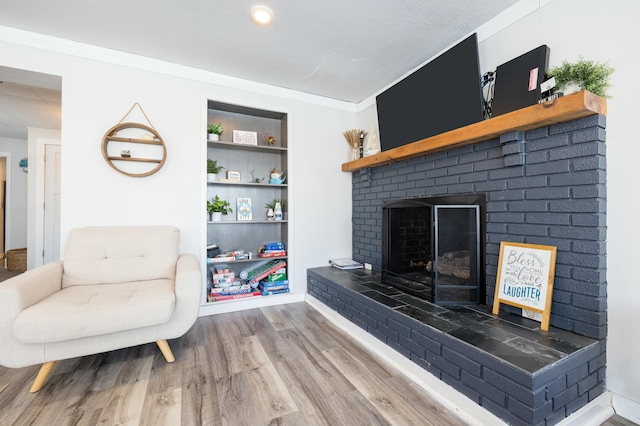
(354, 138)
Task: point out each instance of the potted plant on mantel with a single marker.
(217, 207)
(212, 169)
(582, 75)
(215, 130)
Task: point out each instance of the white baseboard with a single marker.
(625, 407)
(249, 303)
(593, 414)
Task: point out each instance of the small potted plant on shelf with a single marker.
(215, 130)
(217, 207)
(212, 169)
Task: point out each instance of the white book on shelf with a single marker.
(345, 263)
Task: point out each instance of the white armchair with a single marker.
(117, 287)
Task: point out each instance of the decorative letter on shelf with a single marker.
(525, 278)
(134, 149)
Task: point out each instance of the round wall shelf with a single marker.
(147, 136)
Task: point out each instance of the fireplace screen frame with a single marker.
(435, 290)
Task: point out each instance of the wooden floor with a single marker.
(283, 365)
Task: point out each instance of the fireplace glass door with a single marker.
(455, 265)
(433, 250)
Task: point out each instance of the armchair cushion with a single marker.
(109, 255)
(82, 311)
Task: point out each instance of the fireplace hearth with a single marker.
(433, 247)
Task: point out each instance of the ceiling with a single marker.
(344, 50)
(28, 99)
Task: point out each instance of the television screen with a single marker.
(443, 95)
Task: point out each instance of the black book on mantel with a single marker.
(345, 264)
(518, 81)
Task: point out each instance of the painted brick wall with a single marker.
(545, 186)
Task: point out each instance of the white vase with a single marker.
(211, 177)
(216, 216)
(214, 137)
(355, 152)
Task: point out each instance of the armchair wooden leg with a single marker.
(42, 376)
(166, 350)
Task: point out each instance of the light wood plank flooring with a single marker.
(283, 365)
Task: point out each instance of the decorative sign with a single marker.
(525, 278)
(243, 207)
(244, 137)
(233, 176)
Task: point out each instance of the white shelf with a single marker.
(213, 308)
(255, 259)
(246, 222)
(246, 147)
(264, 185)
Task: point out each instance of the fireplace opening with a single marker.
(434, 247)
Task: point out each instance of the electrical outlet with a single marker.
(367, 266)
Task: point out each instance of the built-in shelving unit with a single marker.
(566, 108)
(251, 162)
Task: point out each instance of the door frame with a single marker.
(7, 197)
(37, 139)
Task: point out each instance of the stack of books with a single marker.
(263, 271)
(225, 287)
(229, 256)
(275, 283)
(272, 249)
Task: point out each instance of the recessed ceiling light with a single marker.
(261, 14)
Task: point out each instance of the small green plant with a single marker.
(216, 129)
(588, 75)
(212, 166)
(219, 205)
(272, 204)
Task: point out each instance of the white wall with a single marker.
(601, 31)
(17, 226)
(96, 94)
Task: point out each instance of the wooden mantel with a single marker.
(566, 108)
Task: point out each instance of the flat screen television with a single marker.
(443, 95)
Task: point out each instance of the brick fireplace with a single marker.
(545, 186)
(542, 186)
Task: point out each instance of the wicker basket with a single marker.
(17, 259)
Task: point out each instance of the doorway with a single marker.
(3, 202)
(35, 102)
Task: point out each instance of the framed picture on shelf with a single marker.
(244, 137)
(243, 207)
(233, 176)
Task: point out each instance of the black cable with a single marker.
(488, 86)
